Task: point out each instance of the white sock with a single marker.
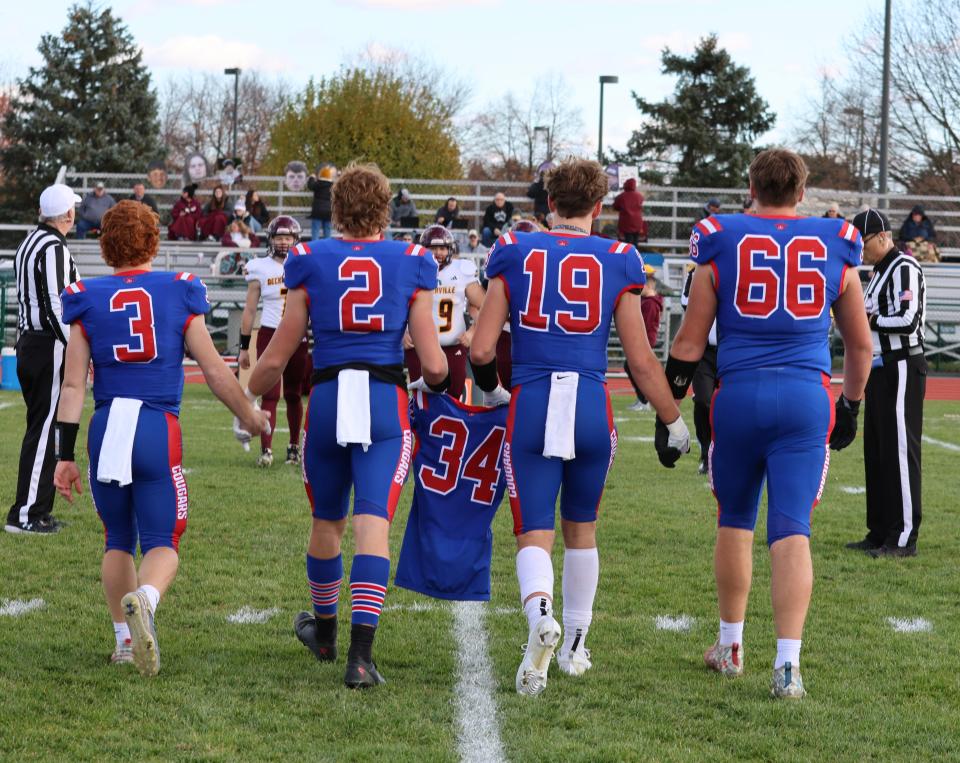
(152, 594)
(122, 632)
(731, 633)
(581, 571)
(535, 575)
(788, 650)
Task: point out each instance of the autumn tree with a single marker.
(705, 133)
(88, 105)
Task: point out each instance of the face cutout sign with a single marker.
(195, 168)
(295, 176)
(157, 174)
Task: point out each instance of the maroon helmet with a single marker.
(437, 235)
(525, 226)
(282, 225)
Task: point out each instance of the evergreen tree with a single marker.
(704, 134)
(89, 105)
(370, 115)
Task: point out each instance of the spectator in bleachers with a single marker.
(185, 216)
(321, 211)
(449, 212)
(474, 245)
(214, 220)
(92, 209)
(631, 226)
(241, 213)
(538, 192)
(238, 234)
(917, 236)
(257, 208)
(712, 207)
(230, 173)
(140, 194)
(749, 206)
(833, 211)
(402, 206)
(495, 218)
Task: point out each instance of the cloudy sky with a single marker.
(494, 45)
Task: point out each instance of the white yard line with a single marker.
(247, 615)
(17, 607)
(941, 443)
(478, 740)
(852, 490)
(416, 606)
(910, 625)
(636, 438)
(680, 623)
(5, 405)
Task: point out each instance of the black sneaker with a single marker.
(361, 674)
(893, 551)
(293, 454)
(863, 545)
(39, 527)
(703, 468)
(305, 626)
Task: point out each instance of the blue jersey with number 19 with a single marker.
(135, 322)
(359, 294)
(776, 278)
(563, 289)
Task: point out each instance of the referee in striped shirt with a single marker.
(895, 301)
(44, 268)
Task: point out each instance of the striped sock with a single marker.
(368, 587)
(324, 576)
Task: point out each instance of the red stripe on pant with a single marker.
(175, 454)
(303, 456)
(406, 452)
(509, 474)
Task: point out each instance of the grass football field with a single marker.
(249, 691)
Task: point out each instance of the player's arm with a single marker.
(246, 322)
(286, 339)
(220, 378)
(475, 294)
(66, 477)
(855, 331)
(691, 339)
(493, 314)
(426, 342)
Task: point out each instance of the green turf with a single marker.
(251, 692)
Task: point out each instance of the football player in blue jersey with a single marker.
(559, 290)
(359, 293)
(133, 325)
(770, 280)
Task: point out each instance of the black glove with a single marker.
(845, 423)
(671, 441)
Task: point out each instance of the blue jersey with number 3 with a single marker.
(359, 295)
(458, 484)
(563, 290)
(135, 323)
(776, 279)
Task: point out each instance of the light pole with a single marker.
(546, 133)
(236, 92)
(605, 79)
(854, 111)
(885, 104)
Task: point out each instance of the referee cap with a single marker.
(871, 221)
(57, 199)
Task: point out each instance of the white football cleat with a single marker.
(532, 673)
(574, 662)
(639, 406)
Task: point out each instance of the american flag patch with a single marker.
(906, 295)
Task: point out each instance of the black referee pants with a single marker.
(893, 424)
(40, 371)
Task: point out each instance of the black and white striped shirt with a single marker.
(896, 299)
(44, 268)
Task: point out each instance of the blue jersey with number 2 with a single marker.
(135, 323)
(776, 279)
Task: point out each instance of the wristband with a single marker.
(442, 386)
(486, 375)
(245, 341)
(679, 376)
(851, 405)
(65, 440)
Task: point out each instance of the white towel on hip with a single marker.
(558, 434)
(353, 407)
(116, 450)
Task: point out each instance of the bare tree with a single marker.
(523, 130)
(196, 114)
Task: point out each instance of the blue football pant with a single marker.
(154, 507)
(770, 425)
(376, 474)
(533, 481)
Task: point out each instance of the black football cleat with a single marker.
(892, 551)
(863, 545)
(361, 674)
(305, 626)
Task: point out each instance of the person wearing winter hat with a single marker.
(631, 226)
